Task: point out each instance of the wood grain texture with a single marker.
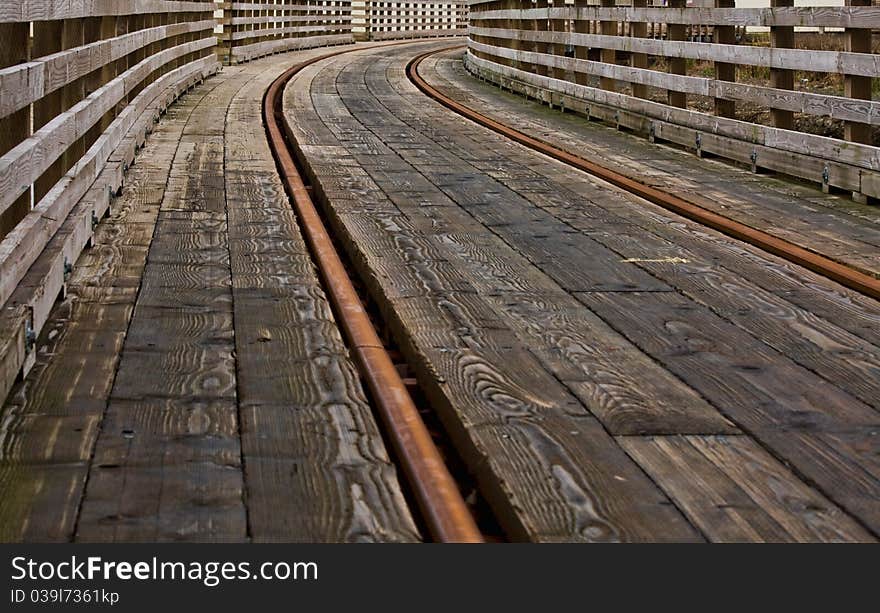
(316, 468)
(505, 236)
(54, 415)
(792, 153)
(735, 491)
(544, 461)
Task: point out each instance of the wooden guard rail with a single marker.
(401, 19)
(255, 29)
(81, 84)
(627, 63)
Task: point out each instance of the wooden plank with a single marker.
(542, 459)
(56, 412)
(735, 491)
(862, 64)
(784, 153)
(806, 16)
(746, 380)
(755, 200)
(21, 247)
(838, 107)
(316, 467)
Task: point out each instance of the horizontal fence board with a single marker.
(20, 248)
(255, 50)
(864, 64)
(24, 164)
(814, 17)
(23, 84)
(282, 31)
(861, 156)
(837, 107)
(333, 12)
(49, 10)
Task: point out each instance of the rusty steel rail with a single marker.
(442, 507)
(818, 263)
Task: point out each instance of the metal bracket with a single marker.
(617, 119)
(826, 178)
(754, 158)
(30, 336)
(652, 132)
(94, 219)
(698, 141)
(68, 268)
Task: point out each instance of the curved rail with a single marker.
(816, 262)
(442, 506)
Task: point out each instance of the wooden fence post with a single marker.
(782, 37)
(15, 127)
(581, 26)
(677, 65)
(725, 35)
(639, 29)
(858, 40)
(609, 56)
(560, 26)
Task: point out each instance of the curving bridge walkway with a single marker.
(604, 369)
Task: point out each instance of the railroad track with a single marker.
(436, 492)
(817, 262)
(434, 475)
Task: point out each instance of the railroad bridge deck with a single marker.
(601, 368)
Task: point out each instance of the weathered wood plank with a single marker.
(836, 107)
(864, 64)
(55, 413)
(542, 459)
(316, 468)
(806, 16)
(735, 491)
(787, 156)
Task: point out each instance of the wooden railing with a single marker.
(255, 29)
(399, 19)
(81, 84)
(672, 73)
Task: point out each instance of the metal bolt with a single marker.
(68, 267)
(94, 219)
(754, 158)
(826, 175)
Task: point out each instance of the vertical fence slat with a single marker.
(677, 65)
(639, 29)
(858, 40)
(15, 127)
(609, 56)
(725, 35)
(782, 37)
